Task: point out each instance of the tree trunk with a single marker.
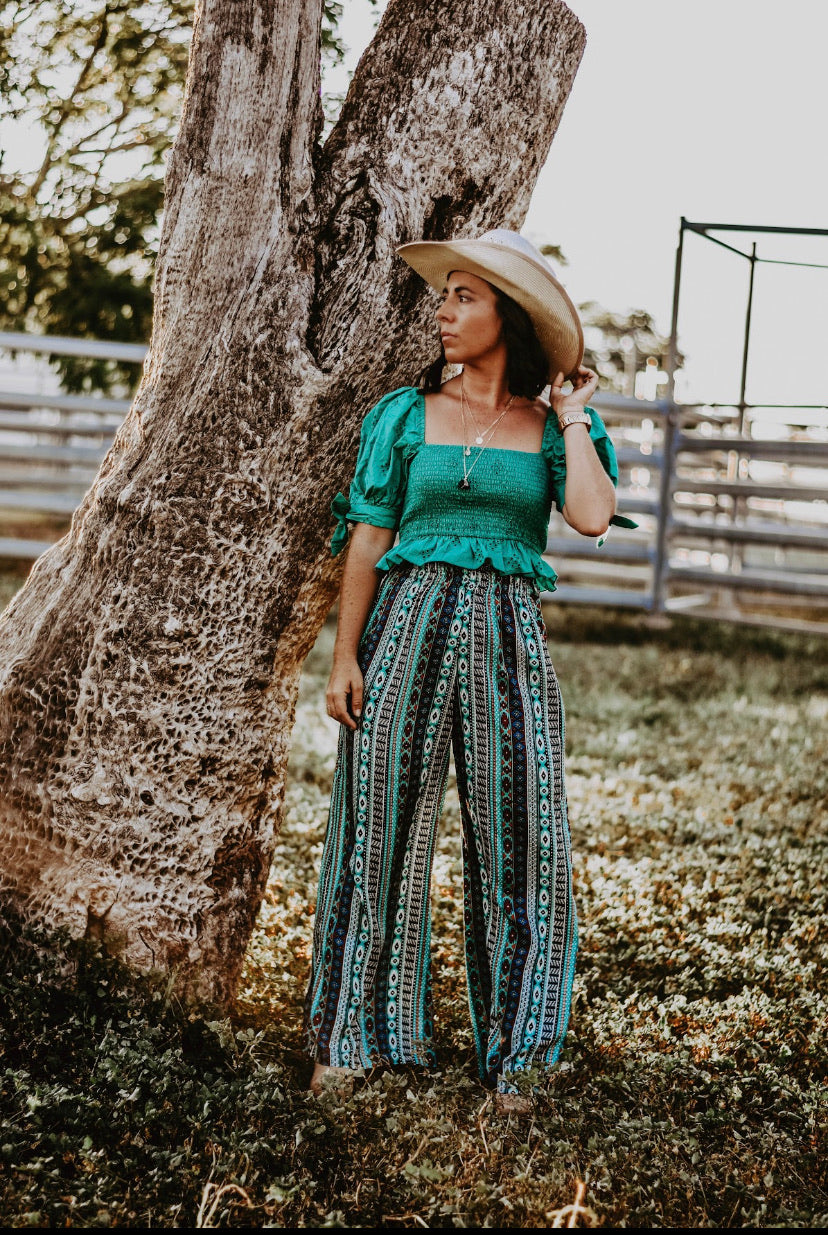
(150, 663)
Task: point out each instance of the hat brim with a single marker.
(532, 285)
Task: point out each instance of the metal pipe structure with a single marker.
(736, 457)
(669, 422)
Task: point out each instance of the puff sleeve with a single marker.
(377, 492)
(555, 451)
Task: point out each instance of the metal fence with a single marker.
(730, 525)
(737, 522)
(51, 445)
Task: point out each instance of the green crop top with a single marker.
(405, 483)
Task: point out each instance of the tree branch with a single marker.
(117, 121)
(67, 105)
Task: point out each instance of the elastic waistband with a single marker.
(485, 573)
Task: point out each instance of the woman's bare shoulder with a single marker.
(448, 390)
(445, 398)
(539, 408)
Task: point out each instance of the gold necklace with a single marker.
(481, 434)
(480, 439)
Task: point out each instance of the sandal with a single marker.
(332, 1079)
(514, 1104)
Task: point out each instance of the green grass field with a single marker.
(692, 1083)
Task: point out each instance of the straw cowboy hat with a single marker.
(512, 264)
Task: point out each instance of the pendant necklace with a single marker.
(481, 437)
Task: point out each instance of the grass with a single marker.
(692, 1086)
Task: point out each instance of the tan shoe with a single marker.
(327, 1078)
(514, 1104)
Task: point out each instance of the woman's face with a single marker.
(470, 325)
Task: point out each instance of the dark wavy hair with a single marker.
(527, 365)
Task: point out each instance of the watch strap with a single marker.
(575, 418)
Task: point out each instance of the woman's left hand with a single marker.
(584, 385)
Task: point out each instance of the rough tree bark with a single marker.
(150, 664)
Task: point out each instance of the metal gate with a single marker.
(732, 525)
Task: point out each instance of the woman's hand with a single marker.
(360, 580)
(345, 680)
(584, 385)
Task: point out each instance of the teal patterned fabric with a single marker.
(455, 658)
(403, 483)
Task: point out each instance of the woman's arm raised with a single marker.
(590, 494)
(360, 581)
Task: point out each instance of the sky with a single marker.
(711, 109)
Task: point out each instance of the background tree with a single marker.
(618, 345)
(149, 666)
(554, 253)
(101, 83)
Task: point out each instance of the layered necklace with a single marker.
(481, 436)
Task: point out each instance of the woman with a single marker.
(441, 642)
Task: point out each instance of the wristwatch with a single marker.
(575, 418)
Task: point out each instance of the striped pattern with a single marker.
(452, 658)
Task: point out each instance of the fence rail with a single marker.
(717, 537)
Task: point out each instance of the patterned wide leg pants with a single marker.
(450, 657)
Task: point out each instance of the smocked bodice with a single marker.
(410, 485)
(510, 497)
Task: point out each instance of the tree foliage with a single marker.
(618, 344)
(100, 84)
